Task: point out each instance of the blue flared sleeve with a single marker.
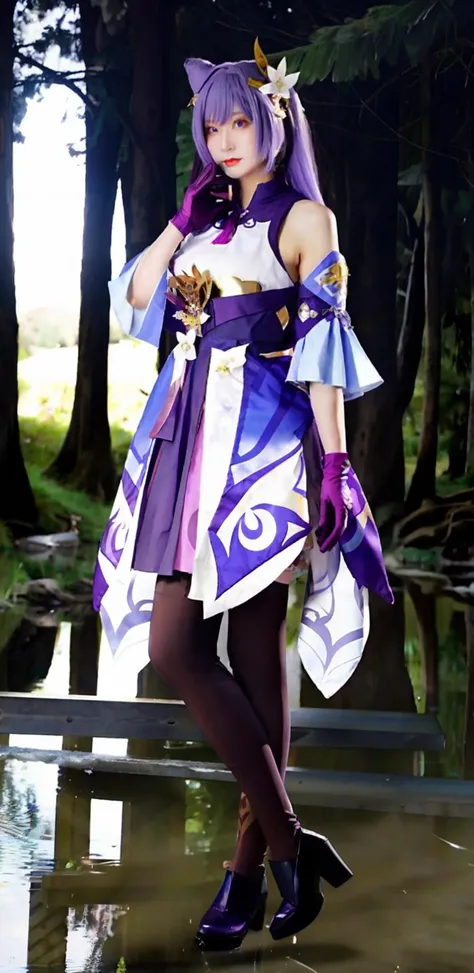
(143, 323)
(327, 349)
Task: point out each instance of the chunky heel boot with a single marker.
(239, 906)
(299, 883)
(331, 866)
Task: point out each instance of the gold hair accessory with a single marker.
(279, 83)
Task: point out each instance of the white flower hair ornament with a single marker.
(279, 84)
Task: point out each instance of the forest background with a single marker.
(388, 92)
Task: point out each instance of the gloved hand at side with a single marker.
(335, 500)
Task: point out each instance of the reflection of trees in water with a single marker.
(469, 730)
(211, 811)
(28, 648)
(98, 923)
(425, 610)
(437, 658)
(28, 654)
(18, 818)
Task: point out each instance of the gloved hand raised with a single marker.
(335, 501)
(204, 201)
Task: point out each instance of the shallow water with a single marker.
(106, 872)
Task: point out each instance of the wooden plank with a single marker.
(120, 882)
(320, 788)
(170, 720)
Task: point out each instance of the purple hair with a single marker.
(223, 88)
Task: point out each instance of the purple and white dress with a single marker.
(222, 477)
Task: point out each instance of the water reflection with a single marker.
(107, 872)
(409, 906)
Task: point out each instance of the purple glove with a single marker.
(200, 206)
(335, 500)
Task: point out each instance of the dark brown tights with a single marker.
(244, 714)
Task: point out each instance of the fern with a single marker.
(385, 33)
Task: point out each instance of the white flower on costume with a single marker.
(280, 82)
(186, 345)
(231, 360)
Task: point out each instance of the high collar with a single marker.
(259, 210)
(264, 194)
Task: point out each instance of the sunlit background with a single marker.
(49, 202)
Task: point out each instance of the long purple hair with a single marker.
(223, 89)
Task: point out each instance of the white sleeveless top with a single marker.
(248, 256)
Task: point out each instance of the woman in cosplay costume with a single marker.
(238, 474)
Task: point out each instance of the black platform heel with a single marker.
(299, 883)
(239, 906)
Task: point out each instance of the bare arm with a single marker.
(311, 233)
(152, 266)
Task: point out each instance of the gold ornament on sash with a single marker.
(195, 291)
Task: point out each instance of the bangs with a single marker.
(220, 101)
(225, 93)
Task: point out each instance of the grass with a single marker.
(41, 442)
(46, 382)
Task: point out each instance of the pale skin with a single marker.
(308, 234)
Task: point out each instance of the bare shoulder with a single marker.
(310, 233)
(309, 216)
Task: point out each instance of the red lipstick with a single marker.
(231, 162)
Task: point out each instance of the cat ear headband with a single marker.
(276, 87)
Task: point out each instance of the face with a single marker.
(232, 145)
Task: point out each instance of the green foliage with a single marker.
(56, 504)
(12, 574)
(392, 33)
(185, 157)
(41, 442)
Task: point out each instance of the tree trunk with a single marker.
(469, 718)
(425, 610)
(410, 341)
(470, 424)
(423, 485)
(374, 421)
(126, 187)
(17, 505)
(358, 164)
(155, 111)
(86, 458)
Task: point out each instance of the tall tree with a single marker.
(423, 484)
(154, 117)
(17, 506)
(85, 457)
(374, 422)
(470, 237)
(154, 114)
